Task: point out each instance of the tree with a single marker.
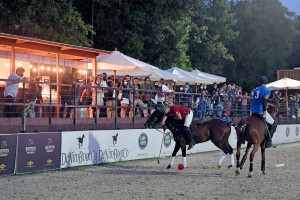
(54, 20)
(265, 40)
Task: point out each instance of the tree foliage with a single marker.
(54, 20)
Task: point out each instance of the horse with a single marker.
(216, 130)
(253, 130)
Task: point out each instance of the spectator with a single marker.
(292, 107)
(65, 91)
(147, 94)
(170, 96)
(11, 91)
(75, 90)
(211, 92)
(217, 105)
(124, 96)
(179, 97)
(245, 98)
(86, 97)
(39, 95)
(98, 94)
(187, 98)
(229, 92)
(201, 105)
(110, 98)
(137, 100)
(225, 117)
(32, 96)
(160, 97)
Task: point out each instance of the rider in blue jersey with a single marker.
(259, 107)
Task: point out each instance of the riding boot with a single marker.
(270, 136)
(190, 137)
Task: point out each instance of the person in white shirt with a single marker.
(11, 92)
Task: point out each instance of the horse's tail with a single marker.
(243, 127)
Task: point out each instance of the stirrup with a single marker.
(191, 145)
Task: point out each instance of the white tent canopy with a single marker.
(209, 78)
(154, 76)
(120, 62)
(184, 76)
(284, 84)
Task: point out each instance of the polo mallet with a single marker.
(278, 164)
(162, 141)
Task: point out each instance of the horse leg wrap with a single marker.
(237, 164)
(242, 163)
(172, 161)
(184, 162)
(221, 159)
(263, 165)
(231, 159)
(251, 167)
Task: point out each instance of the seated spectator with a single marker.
(86, 97)
(98, 94)
(110, 98)
(124, 96)
(147, 94)
(137, 100)
(224, 117)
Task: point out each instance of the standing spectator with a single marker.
(86, 97)
(124, 96)
(160, 97)
(229, 92)
(65, 91)
(137, 100)
(292, 106)
(201, 105)
(75, 90)
(245, 98)
(187, 98)
(32, 96)
(11, 91)
(39, 95)
(98, 94)
(170, 96)
(147, 94)
(110, 98)
(217, 105)
(211, 92)
(179, 95)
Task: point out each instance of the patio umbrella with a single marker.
(210, 78)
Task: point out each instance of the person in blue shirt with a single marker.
(201, 103)
(224, 117)
(259, 107)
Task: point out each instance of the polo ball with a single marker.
(180, 167)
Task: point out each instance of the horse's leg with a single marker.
(263, 157)
(255, 149)
(221, 159)
(241, 165)
(183, 151)
(176, 149)
(237, 155)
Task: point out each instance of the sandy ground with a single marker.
(147, 179)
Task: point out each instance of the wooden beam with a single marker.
(12, 60)
(57, 81)
(94, 64)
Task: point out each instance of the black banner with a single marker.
(8, 144)
(38, 151)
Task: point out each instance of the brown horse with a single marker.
(216, 130)
(253, 130)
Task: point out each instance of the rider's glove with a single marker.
(264, 118)
(164, 128)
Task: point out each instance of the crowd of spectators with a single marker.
(102, 96)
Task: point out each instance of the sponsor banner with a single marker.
(286, 134)
(38, 151)
(94, 147)
(8, 144)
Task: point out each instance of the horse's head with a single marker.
(154, 118)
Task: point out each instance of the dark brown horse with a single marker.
(253, 130)
(216, 130)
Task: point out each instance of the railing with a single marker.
(114, 102)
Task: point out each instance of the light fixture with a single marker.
(30, 66)
(83, 71)
(19, 64)
(60, 70)
(80, 71)
(54, 69)
(6, 64)
(48, 68)
(34, 69)
(42, 67)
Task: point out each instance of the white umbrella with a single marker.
(184, 76)
(124, 73)
(210, 78)
(156, 76)
(284, 84)
(118, 61)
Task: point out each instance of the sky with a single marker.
(292, 5)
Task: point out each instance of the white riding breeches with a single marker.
(188, 119)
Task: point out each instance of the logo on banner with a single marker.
(2, 167)
(4, 144)
(49, 162)
(30, 164)
(287, 132)
(115, 139)
(167, 139)
(143, 140)
(80, 141)
(50, 147)
(297, 131)
(30, 149)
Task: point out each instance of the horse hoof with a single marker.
(238, 171)
(250, 175)
(229, 166)
(169, 167)
(264, 172)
